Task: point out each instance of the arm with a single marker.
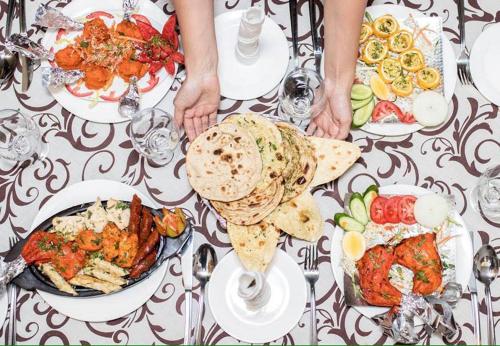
(197, 101)
(343, 21)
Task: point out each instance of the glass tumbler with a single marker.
(486, 194)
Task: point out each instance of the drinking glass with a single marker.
(20, 137)
(301, 96)
(154, 135)
(486, 194)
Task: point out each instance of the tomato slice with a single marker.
(112, 97)
(377, 210)
(75, 91)
(405, 210)
(391, 209)
(407, 118)
(153, 80)
(141, 18)
(98, 14)
(384, 109)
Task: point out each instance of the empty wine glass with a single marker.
(20, 137)
(301, 96)
(154, 135)
(486, 194)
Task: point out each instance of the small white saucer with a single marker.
(239, 81)
(277, 318)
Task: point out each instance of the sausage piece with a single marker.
(146, 224)
(143, 265)
(147, 247)
(135, 215)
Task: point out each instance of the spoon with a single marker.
(8, 60)
(205, 261)
(486, 265)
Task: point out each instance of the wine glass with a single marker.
(154, 135)
(301, 96)
(486, 194)
(20, 137)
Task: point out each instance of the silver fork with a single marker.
(463, 59)
(311, 274)
(12, 304)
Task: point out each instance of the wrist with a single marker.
(338, 87)
(201, 64)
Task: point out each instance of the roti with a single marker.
(268, 139)
(301, 162)
(299, 217)
(224, 163)
(252, 209)
(334, 157)
(255, 245)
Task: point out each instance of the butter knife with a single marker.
(473, 298)
(26, 63)
(187, 278)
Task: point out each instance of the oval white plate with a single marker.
(484, 67)
(106, 307)
(463, 243)
(449, 72)
(245, 82)
(107, 112)
(278, 317)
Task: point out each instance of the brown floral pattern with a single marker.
(448, 159)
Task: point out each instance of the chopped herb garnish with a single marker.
(84, 44)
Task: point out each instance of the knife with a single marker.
(187, 278)
(473, 298)
(26, 63)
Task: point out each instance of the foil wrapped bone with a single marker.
(50, 17)
(435, 311)
(21, 44)
(55, 76)
(9, 270)
(129, 101)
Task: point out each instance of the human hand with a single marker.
(196, 103)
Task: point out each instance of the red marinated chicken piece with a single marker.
(373, 270)
(420, 255)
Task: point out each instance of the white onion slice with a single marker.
(431, 210)
(430, 109)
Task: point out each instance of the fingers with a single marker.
(212, 119)
(190, 129)
(311, 128)
(204, 122)
(178, 115)
(333, 130)
(319, 132)
(344, 127)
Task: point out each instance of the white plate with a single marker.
(278, 317)
(106, 307)
(107, 112)
(463, 243)
(245, 82)
(449, 72)
(484, 59)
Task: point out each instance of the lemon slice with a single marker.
(366, 31)
(428, 78)
(389, 70)
(374, 51)
(412, 60)
(402, 85)
(430, 109)
(385, 26)
(379, 87)
(401, 41)
(354, 245)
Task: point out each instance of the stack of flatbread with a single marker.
(257, 175)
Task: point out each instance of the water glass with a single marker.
(301, 96)
(154, 135)
(20, 137)
(486, 194)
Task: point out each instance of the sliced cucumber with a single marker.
(369, 196)
(347, 223)
(357, 104)
(362, 114)
(360, 92)
(357, 207)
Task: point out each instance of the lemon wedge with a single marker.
(354, 245)
(379, 87)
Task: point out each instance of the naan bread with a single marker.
(224, 163)
(301, 162)
(252, 209)
(268, 139)
(299, 217)
(255, 245)
(334, 157)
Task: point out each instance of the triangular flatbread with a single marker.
(299, 217)
(333, 157)
(255, 245)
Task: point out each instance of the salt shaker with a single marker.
(254, 290)
(247, 47)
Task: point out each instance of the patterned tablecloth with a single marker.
(448, 159)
